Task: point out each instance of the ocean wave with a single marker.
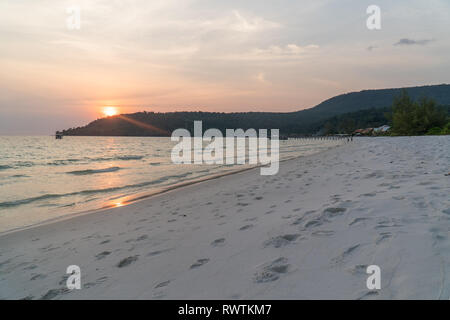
(10, 204)
(93, 171)
(24, 164)
(67, 205)
(123, 158)
(129, 157)
(17, 164)
(63, 162)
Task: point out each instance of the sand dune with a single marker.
(308, 232)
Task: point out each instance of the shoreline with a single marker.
(142, 196)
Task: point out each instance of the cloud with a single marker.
(233, 21)
(288, 51)
(261, 77)
(274, 52)
(250, 24)
(411, 42)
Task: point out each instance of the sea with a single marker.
(43, 179)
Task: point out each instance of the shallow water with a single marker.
(42, 178)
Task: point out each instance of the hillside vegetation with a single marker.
(340, 114)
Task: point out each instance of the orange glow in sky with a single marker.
(211, 56)
(110, 111)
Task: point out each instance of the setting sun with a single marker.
(109, 111)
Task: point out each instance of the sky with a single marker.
(209, 55)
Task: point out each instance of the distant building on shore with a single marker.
(384, 128)
(371, 131)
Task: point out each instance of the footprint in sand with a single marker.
(162, 284)
(420, 204)
(218, 242)
(246, 227)
(281, 241)
(242, 204)
(323, 233)
(199, 263)
(384, 184)
(127, 261)
(143, 237)
(387, 224)
(313, 223)
(348, 252)
(375, 174)
(272, 270)
(93, 284)
(357, 220)
(297, 221)
(334, 212)
(371, 194)
(157, 252)
(102, 255)
(425, 183)
(368, 295)
(438, 234)
(359, 269)
(53, 293)
(383, 237)
(32, 267)
(38, 276)
(48, 248)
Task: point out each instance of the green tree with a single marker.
(347, 125)
(428, 115)
(446, 129)
(416, 118)
(403, 114)
(329, 128)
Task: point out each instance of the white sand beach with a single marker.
(308, 232)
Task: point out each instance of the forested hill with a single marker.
(301, 122)
(368, 99)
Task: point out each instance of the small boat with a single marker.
(58, 135)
